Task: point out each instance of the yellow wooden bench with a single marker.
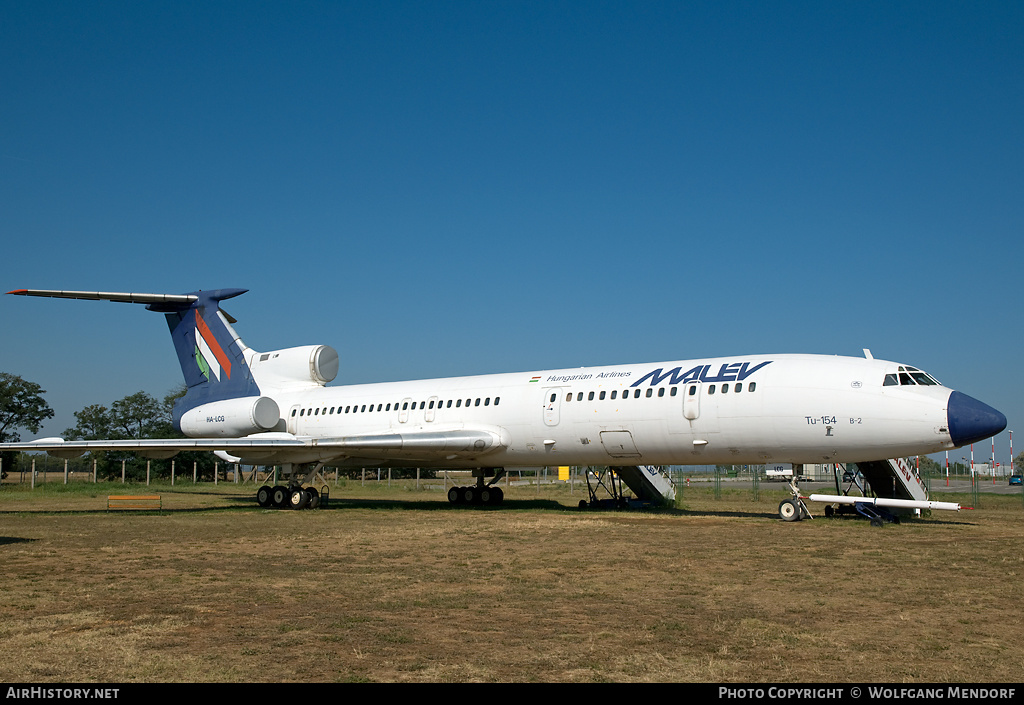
(144, 501)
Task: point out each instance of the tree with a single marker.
(21, 406)
(137, 415)
(929, 467)
(93, 424)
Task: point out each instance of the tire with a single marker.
(298, 499)
(469, 495)
(264, 496)
(788, 511)
(279, 497)
(314, 498)
(455, 495)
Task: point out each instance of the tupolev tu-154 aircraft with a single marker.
(275, 407)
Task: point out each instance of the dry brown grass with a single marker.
(395, 585)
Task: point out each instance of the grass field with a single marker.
(392, 584)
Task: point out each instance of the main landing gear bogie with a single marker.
(488, 495)
(281, 497)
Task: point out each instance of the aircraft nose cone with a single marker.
(970, 420)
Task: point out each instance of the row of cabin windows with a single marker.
(673, 391)
(405, 406)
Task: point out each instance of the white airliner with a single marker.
(275, 408)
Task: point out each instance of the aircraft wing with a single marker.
(266, 448)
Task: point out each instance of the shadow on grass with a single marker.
(246, 502)
(7, 540)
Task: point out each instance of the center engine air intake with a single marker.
(231, 418)
(301, 366)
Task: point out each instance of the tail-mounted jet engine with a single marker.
(316, 364)
(231, 418)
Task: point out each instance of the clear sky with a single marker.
(442, 188)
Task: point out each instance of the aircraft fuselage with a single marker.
(749, 409)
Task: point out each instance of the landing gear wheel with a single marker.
(469, 495)
(788, 511)
(455, 495)
(298, 499)
(491, 496)
(264, 496)
(279, 497)
(314, 498)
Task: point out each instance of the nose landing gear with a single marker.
(793, 509)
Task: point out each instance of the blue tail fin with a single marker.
(210, 353)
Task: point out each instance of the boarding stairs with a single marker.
(647, 483)
(893, 479)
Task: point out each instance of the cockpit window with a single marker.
(922, 378)
(909, 376)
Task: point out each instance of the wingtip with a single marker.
(18, 292)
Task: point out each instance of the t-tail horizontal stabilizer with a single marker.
(178, 300)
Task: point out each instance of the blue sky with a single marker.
(441, 188)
